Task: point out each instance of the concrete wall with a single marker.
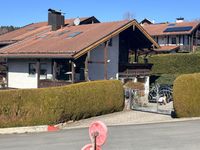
(96, 70)
(18, 73)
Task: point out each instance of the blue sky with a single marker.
(22, 12)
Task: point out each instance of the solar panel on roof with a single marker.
(73, 34)
(178, 29)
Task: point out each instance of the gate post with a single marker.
(128, 99)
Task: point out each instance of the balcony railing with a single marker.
(185, 48)
(51, 83)
(132, 70)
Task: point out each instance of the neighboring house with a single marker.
(76, 53)
(181, 35)
(35, 29)
(146, 22)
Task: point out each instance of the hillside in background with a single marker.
(5, 29)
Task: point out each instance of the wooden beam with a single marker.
(73, 71)
(177, 38)
(192, 42)
(136, 55)
(106, 61)
(54, 69)
(168, 40)
(7, 70)
(189, 42)
(86, 67)
(96, 62)
(38, 72)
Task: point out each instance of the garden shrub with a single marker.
(166, 67)
(175, 63)
(24, 107)
(186, 95)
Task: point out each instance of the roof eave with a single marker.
(35, 56)
(171, 34)
(114, 33)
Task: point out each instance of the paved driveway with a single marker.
(161, 136)
(121, 118)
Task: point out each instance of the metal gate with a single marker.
(158, 100)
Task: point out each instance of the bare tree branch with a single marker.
(128, 16)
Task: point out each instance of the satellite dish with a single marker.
(77, 21)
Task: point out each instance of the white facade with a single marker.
(18, 69)
(172, 40)
(96, 70)
(18, 73)
(19, 77)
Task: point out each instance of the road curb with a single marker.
(48, 128)
(29, 129)
(136, 123)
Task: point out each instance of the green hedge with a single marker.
(163, 79)
(186, 94)
(175, 63)
(166, 67)
(54, 105)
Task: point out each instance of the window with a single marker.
(43, 69)
(73, 34)
(156, 38)
(32, 68)
(173, 40)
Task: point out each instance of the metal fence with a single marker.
(158, 100)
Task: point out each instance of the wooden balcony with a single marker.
(134, 70)
(185, 48)
(52, 83)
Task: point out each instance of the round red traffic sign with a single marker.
(89, 147)
(101, 130)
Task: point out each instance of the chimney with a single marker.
(55, 19)
(179, 20)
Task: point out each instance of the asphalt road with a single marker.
(164, 136)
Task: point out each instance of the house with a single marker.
(33, 29)
(57, 54)
(181, 35)
(146, 22)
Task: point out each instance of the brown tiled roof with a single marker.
(29, 30)
(158, 29)
(60, 44)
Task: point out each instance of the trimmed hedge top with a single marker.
(186, 95)
(175, 63)
(58, 104)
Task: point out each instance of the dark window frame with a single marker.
(32, 68)
(174, 40)
(43, 72)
